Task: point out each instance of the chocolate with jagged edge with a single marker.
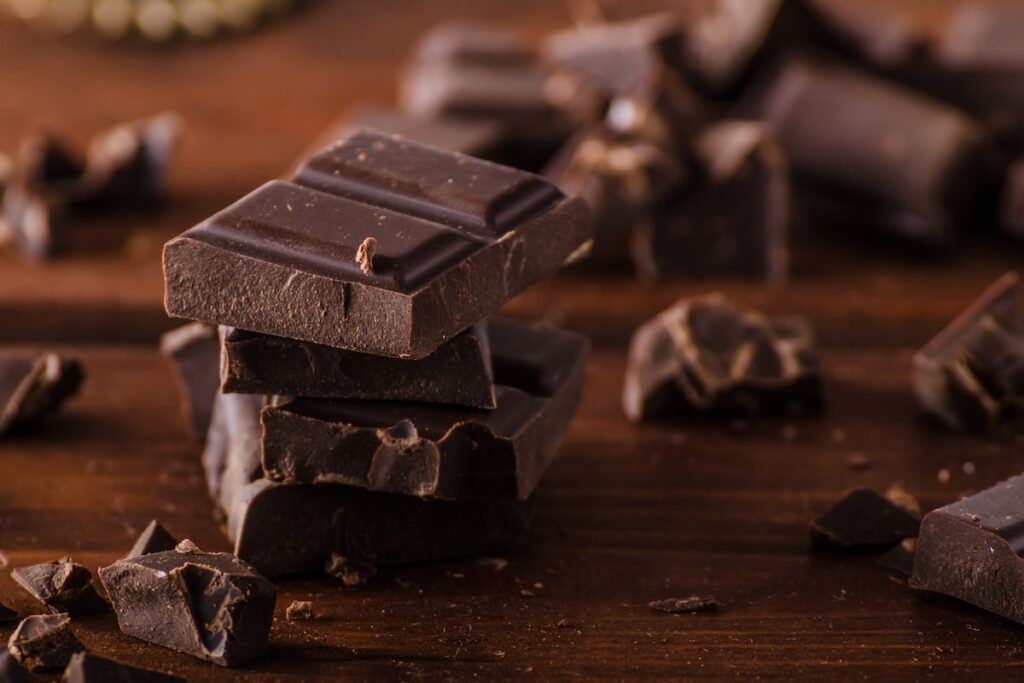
(63, 586)
(433, 450)
(193, 352)
(296, 528)
(86, 667)
(863, 518)
(33, 384)
(456, 238)
(11, 670)
(731, 220)
(153, 539)
(971, 374)
(458, 372)
(43, 642)
(213, 606)
(704, 355)
(971, 550)
(885, 147)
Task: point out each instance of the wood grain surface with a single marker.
(627, 514)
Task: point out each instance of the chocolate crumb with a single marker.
(300, 609)
(562, 623)
(352, 573)
(690, 605)
(186, 547)
(364, 254)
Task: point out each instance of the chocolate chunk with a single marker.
(459, 237)
(193, 352)
(210, 605)
(1011, 202)
(89, 668)
(971, 549)
(44, 160)
(732, 220)
(300, 610)
(63, 586)
(884, 146)
(33, 384)
(154, 539)
(31, 221)
(458, 372)
(971, 374)
(437, 451)
(705, 355)
(863, 518)
(7, 614)
(690, 605)
(352, 573)
(44, 642)
(11, 671)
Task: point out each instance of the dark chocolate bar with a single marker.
(193, 352)
(863, 519)
(11, 670)
(705, 355)
(458, 238)
(458, 372)
(971, 374)
(437, 451)
(86, 667)
(210, 605)
(33, 384)
(971, 550)
(63, 586)
(731, 220)
(43, 642)
(153, 539)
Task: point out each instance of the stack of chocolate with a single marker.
(370, 413)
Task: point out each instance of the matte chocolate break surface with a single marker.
(44, 642)
(63, 586)
(33, 384)
(456, 237)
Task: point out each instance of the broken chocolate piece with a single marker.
(863, 518)
(31, 219)
(7, 614)
(732, 220)
(210, 605)
(86, 667)
(900, 557)
(154, 539)
(437, 451)
(33, 384)
(690, 605)
(193, 352)
(352, 573)
(44, 642)
(458, 372)
(971, 549)
(705, 355)
(971, 374)
(11, 670)
(63, 586)
(458, 238)
(46, 161)
(300, 610)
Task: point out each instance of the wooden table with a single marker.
(627, 514)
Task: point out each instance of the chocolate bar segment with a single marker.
(436, 451)
(63, 586)
(458, 372)
(282, 261)
(193, 352)
(971, 374)
(33, 384)
(705, 355)
(971, 550)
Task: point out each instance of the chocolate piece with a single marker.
(46, 161)
(11, 671)
(154, 539)
(733, 220)
(704, 355)
(63, 586)
(44, 642)
(210, 605)
(436, 451)
(971, 549)
(458, 372)
(33, 384)
(690, 605)
(863, 518)
(85, 667)
(459, 238)
(352, 573)
(193, 352)
(971, 374)
(31, 219)
(900, 557)
(884, 145)
(300, 610)
(7, 614)
(1011, 202)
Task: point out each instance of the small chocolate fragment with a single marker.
(7, 614)
(86, 667)
(11, 670)
(63, 586)
(458, 372)
(33, 384)
(971, 549)
(690, 605)
(154, 539)
(364, 254)
(1011, 202)
(863, 518)
(300, 610)
(705, 355)
(971, 374)
(456, 238)
(352, 573)
(732, 220)
(193, 352)
(44, 642)
(210, 605)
